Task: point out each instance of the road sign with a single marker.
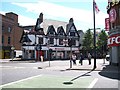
(38, 47)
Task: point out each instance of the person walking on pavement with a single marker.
(89, 58)
(74, 58)
(81, 58)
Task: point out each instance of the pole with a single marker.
(71, 57)
(12, 54)
(49, 56)
(38, 55)
(94, 35)
(12, 48)
(48, 45)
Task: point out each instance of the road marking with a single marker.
(19, 81)
(93, 83)
(6, 66)
(19, 67)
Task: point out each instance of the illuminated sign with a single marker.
(107, 27)
(114, 40)
(112, 15)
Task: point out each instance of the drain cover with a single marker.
(39, 67)
(68, 83)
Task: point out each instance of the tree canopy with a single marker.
(88, 40)
(102, 40)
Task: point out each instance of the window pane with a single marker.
(72, 33)
(9, 40)
(60, 41)
(40, 40)
(2, 39)
(51, 40)
(2, 28)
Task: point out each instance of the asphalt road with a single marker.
(14, 71)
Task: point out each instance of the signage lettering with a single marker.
(107, 24)
(114, 40)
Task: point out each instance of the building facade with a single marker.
(10, 34)
(56, 42)
(113, 9)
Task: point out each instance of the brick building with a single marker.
(113, 10)
(10, 34)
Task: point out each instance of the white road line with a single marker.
(6, 66)
(19, 81)
(93, 83)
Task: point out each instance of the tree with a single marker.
(102, 42)
(88, 40)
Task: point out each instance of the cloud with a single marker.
(24, 21)
(58, 11)
(33, 1)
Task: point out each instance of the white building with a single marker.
(55, 39)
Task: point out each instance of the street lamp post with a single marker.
(48, 45)
(71, 57)
(12, 48)
(94, 67)
(70, 44)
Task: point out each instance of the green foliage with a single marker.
(102, 39)
(88, 40)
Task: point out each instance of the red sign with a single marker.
(114, 40)
(107, 26)
(112, 15)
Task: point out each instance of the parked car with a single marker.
(107, 57)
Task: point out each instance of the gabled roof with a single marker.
(61, 30)
(25, 38)
(51, 29)
(69, 28)
(39, 21)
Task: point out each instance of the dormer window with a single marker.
(52, 33)
(61, 33)
(72, 33)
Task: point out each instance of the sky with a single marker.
(62, 10)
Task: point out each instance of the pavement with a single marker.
(59, 79)
(100, 63)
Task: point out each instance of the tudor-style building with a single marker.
(56, 40)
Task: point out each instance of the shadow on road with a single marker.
(70, 82)
(85, 74)
(110, 71)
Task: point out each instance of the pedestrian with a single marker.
(89, 58)
(74, 58)
(81, 59)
